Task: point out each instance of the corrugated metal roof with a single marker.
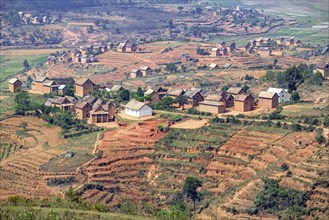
(267, 95)
(212, 103)
(135, 105)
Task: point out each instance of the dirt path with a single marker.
(191, 124)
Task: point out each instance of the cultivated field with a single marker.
(34, 157)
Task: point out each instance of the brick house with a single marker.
(194, 96)
(215, 52)
(223, 97)
(212, 107)
(102, 112)
(134, 73)
(265, 51)
(146, 70)
(223, 51)
(38, 83)
(268, 100)
(15, 85)
(49, 86)
(64, 103)
(323, 69)
(154, 96)
(243, 103)
(232, 47)
(130, 46)
(175, 92)
(82, 110)
(121, 47)
(83, 86)
(236, 91)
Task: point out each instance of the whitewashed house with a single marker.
(137, 109)
(284, 95)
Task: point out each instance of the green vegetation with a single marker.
(212, 136)
(190, 187)
(171, 67)
(71, 207)
(53, 115)
(286, 203)
(10, 65)
(294, 76)
(6, 149)
(7, 104)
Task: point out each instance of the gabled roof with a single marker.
(61, 86)
(241, 98)
(71, 99)
(135, 70)
(213, 65)
(192, 92)
(14, 80)
(267, 95)
(213, 97)
(49, 82)
(41, 78)
(234, 90)
(135, 105)
(149, 92)
(90, 99)
(276, 90)
(212, 103)
(121, 45)
(175, 91)
(222, 48)
(82, 81)
(214, 49)
(322, 65)
(101, 107)
(81, 105)
(116, 88)
(130, 44)
(144, 67)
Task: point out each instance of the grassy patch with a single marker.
(23, 134)
(7, 103)
(63, 164)
(61, 213)
(304, 109)
(82, 147)
(11, 64)
(268, 129)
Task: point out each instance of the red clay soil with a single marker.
(124, 162)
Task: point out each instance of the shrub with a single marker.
(296, 127)
(320, 138)
(284, 167)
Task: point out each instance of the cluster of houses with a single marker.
(95, 110)
(265, 46)
(27, 18)
(222, 49)
(87, 54)
(43, 85)
(143, 71)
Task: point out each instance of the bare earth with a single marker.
(191, 124)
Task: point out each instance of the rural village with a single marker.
(190, 110)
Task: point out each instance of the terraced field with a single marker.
(125, 161)
(249, 156)
(21, 171)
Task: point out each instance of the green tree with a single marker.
(171, 67)
(181, 100)
(295, 96)
(26, 65)
(190, 187)
(124, 95)
(140, 92)
(22, 101)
